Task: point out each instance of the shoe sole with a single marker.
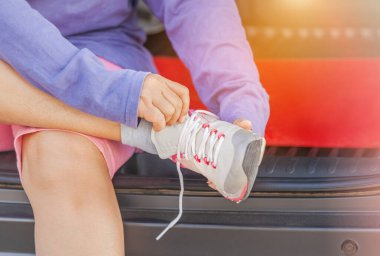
(251, 162)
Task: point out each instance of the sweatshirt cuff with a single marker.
(136, 81)
(258, 119)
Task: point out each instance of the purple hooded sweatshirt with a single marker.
(54, 44)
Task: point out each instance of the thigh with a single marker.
(115, 154)
(67, 182)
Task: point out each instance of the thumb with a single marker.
(158, 120)
(155, 116)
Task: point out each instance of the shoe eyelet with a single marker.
(213, 131)
(196, 157)
(221, 136)
(204, 126)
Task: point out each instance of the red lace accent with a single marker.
(196, 157)
(205, 125)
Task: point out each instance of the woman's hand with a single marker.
(243, 123)
(163, 102)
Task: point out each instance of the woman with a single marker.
(54, 46)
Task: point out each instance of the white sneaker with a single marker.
(227, 155)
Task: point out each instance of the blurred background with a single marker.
(319, 60)
(297, 28)
(312, 28)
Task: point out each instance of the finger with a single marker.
(166, 108)
(245, 124)
(151, 114)
(238, 121)
(158, 126)
(183, 93)
(155, 116)
(176, 102)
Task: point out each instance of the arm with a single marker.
(23, 104)
(38, 51)
(18, 97)
(209, 38)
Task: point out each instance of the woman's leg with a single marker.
(64, 174)
(67, 182)
(23, 104)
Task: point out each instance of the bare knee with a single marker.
(57, 158)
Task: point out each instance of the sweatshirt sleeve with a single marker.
(38, 51)
(209, 37)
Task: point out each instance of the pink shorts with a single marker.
(114, 153)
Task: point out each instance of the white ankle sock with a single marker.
(139, 137)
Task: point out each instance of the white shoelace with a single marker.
(187, 141)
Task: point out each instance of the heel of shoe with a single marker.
(252, 160)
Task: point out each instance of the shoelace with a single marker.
(187, 142)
